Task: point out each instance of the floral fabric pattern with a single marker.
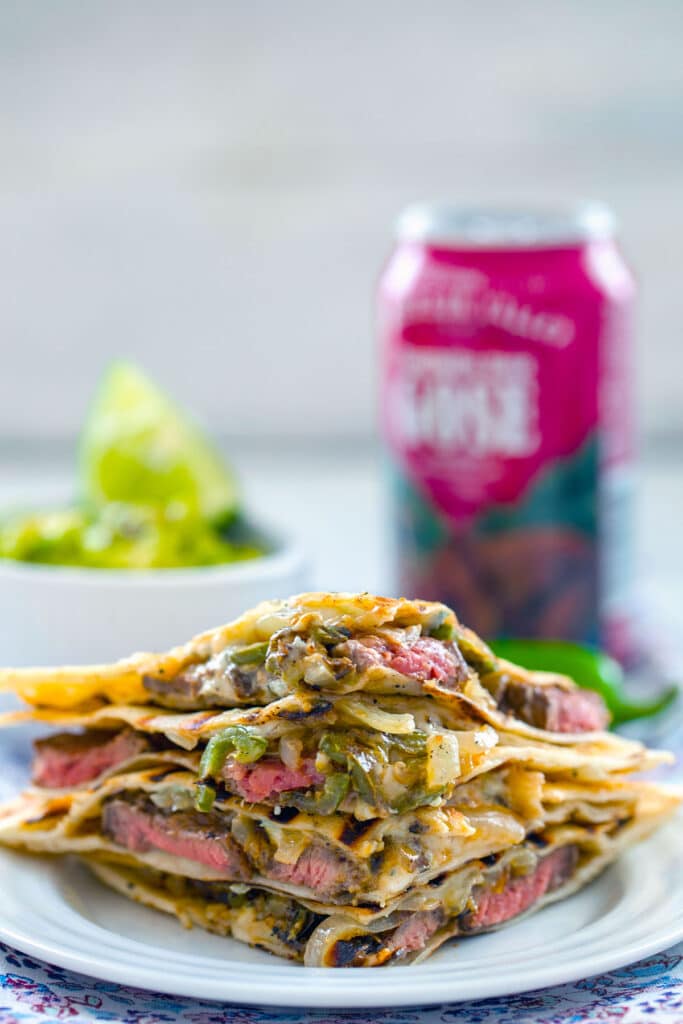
(32, 992)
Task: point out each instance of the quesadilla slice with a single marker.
(330, 644)
(359, 754)
(484, 894)
(341, 779)
(149, 818)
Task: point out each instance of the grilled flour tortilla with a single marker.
(340, 779)
(481, 896)
(328, 894)
(357, 754)
(330, 644)
(148, 818)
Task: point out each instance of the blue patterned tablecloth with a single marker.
(651, 990)
(32, 991)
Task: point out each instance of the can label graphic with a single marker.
(506, 415)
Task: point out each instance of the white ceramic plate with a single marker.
(56, 910)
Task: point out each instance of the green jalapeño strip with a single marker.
(254, 654)
(387, 772)
(243, 744)
(364, 762)
(329, 798)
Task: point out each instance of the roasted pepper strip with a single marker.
(335, 747)
(416, 798)
(329, 635)
(246, 746)
(475, 652)
(206, 795)
(254, 654)
(360, 761)
(361, 765)
(328, 799)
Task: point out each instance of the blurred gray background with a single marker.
(209, 188)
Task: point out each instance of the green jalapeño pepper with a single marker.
(328, 799)
(245, 745)
(254, 654)
(205, 798)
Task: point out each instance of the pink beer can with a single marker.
(507, 419)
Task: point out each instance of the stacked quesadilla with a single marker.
(345, 780)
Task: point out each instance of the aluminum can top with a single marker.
(471, 227)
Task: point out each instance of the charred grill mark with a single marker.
(309, 927)
(163, 774)
(347, 952)
(373, 907)
(283, 815)
(216, 893)
(198, 721)
(354, 830)
(159, 743)
(222, 794)
(375, 861)
(296, 927)
(317, 711)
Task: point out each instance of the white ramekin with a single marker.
(53, 615)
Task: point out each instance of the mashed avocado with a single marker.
(119, 536)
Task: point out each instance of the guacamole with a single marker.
(119, 536)
(154, 493)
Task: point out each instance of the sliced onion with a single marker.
(273, 621)
(454, 893)
(337, 928)
(355, 710)
(477, 741)
(173, 798)
(404, 637)
(290, 751)
(443, 759)
(520, 860)
(317, 672)
(289, 844)
(278, 687)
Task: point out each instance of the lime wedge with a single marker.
(136, 447)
